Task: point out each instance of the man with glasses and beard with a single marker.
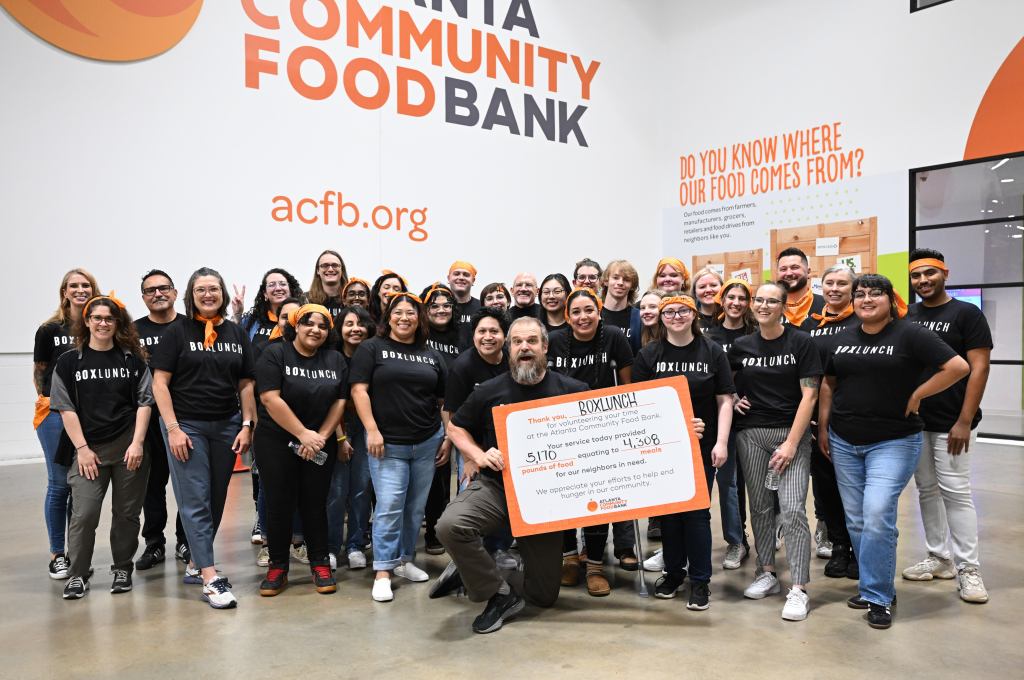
(481, 509)
(794, 270)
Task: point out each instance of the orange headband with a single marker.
(676, 264)
(677, 300)
(354, 279)
(578, 292)
(435, 290)
(296, 314)
(406, 294)
(85, 310)
(388, 272)
(462, 264)
(731, 282)
(929, 262)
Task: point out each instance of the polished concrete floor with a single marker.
(162, 629)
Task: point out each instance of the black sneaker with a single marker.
(60, 566)
(858, 602)
(275, 581)
(122, 581)
(668, 585)
(700, 596)
(839, 564)
(152, 556)
(76, 588)
(852, 568)
(433, 546)
(182, 553)
(499, 608)
(323, 579)
(448, 582)
(879, 616)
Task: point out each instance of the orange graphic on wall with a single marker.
(109, 30)
(998, 125)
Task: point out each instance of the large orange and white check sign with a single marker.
(601, 456)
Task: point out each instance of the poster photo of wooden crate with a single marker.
(739, 264)
(853, 242)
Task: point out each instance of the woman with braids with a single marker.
(683, 350)
(599, 355)
(261, 319)
(102, 390)
(329, 278)
(386, 285)
(53, 338)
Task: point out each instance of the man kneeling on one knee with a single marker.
(480, 510)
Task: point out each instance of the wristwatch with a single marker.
(249, 424)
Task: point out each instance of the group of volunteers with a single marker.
(357, 402)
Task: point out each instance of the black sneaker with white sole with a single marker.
(700, 596)
(60, 566)
(76, 588)
(879, 616)
(668, 585)
(152, 556)
(499, 609)
(122, 581)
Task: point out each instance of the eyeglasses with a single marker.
(587, 277)
(277, 284)
(680, 313)
(212, 290)
(328, 266)
(439, 306)
(768, 302)
(153, 290)
(102, 320)
(552, 291)
(410, 314)
(874, 293)
(357, 294)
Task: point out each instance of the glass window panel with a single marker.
(980, 253)
(1002, 308)
(1001, 405)
(974, 191)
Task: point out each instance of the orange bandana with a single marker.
(211, 329)
(727, 284)
(42, 410)
(272, 316)
(577, 292)
(276, 333)
(85, 310)
(676, 264)
(901, 305)
(462, 264)
(929, 262)
(823, 319)
(796, 312)
(677, 300)
(354, 279)
(296, 314)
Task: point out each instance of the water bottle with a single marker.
(320, 458)
(771, 480)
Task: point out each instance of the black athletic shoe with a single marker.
(879, 616)
(852, 569)
(59, 567)
(152, 556)
(323, 578)
(668, 585)
(839, 564)
(122, 581)
(499, 608)
(700, 596)
(858, 602)
(433, 546)
(448, 582)
(76, 588)
(275, 581)
(182, 553)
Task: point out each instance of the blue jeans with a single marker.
(871, 478)
(402, 481)
(201, 482)
(728, 498)
(57, 504)
(350, 491)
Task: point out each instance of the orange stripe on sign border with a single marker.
(700, 501)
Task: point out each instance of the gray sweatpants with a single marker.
(128, 490)
(480, 510)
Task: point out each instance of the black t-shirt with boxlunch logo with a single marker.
(824, 337)
(768, 374)
(462, 313)
(706, 369)
(104, 388)
(465, 373)
(725, 337)
(963, 327)
(585, 360)
(150, 332)
(259, 331)
(446, 343)
(204, 382)
(52, 340)
(405, 383)
(875, 376)
(309, 385)
(475, 413)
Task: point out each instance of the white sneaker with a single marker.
(334, 561)
(411, 572)
(929, 568)
(972, 588)
(823, 546)
(192, 577)
(299, 553)
(796, 605)
(655, 562)
(356, 560)
(734, 555)
(763, 584)
(263, 557)
(382, 590)
(218, 593)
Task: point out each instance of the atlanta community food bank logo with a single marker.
(109, 30)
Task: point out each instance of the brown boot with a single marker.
(597, 584)
(571, 570)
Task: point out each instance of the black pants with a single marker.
(439, 497)
(289, 482)
(686, 536)
(827, 502)
(154, 507)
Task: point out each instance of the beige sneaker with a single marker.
(972, 588)
(929, 568)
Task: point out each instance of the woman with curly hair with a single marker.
(261, 319)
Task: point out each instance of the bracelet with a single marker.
(342, 438)
(79, 448)
(173, 426)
